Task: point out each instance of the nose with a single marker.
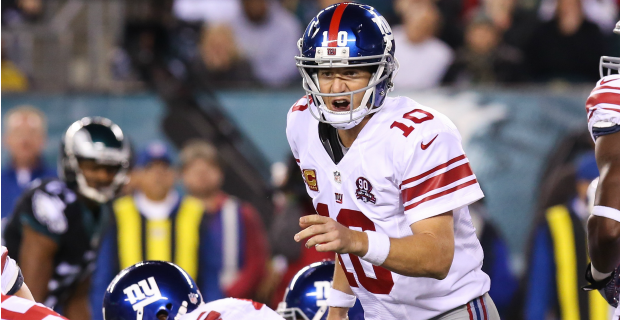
(339, 85)
(105, 175)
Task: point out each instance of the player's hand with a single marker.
(326, 234)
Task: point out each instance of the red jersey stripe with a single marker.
(605, 87)
(438, 181)
(439, 167)
(471, 316)
(443, 193)
(334, 25)
(604, 97)
(34, 312)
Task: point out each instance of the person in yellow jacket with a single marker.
(152, 223)
(558, 258)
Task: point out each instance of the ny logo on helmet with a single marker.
(142, 294)
(322, 292)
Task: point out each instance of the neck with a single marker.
(210, 202)
(27, 164)
(348, 136)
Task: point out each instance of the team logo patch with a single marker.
(338, 197)
(310, 178)
(193, 298)
(331, 51)
(337, 177)
(364, 190)
(142, 293)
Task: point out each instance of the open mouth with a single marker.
(341, 104)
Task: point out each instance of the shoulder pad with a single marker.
(49, 209)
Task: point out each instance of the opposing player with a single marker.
(307, 295)
(603, 111)
(56, 225)
(158, 290)
(388, 177)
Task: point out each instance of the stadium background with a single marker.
(75, 58)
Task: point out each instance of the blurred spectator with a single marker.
(266, 34)
(153, 223)
(568, 47)
(496, 260)
(25, 133)
(233, 245)
(424, 58)
(220, 62)
(603, 13)
(558, 254)
(15, 12)
(290, 256)
(12, 78)
(485, 59)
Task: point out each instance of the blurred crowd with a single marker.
(251, 43)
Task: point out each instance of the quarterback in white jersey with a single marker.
(388, 178)
(603, 112)
(232, 309)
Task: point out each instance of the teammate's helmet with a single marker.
(306, 295)
(610, 63)
(97, 139)
(347, 35)
(151, 290)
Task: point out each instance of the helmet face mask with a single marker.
(608, 65)
(103, 142)
(347, 35)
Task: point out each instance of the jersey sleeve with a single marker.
(12, 279)
(44, 213)
(603, 107)
(437, 177)
(292, 124)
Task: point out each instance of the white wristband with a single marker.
(606, 212)
(340, 299)
(378, 248)
(597, 275)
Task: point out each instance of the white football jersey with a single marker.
(603, 105)
(10, 271)
(232, 309)
(407, 164)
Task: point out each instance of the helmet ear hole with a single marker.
(169, 306)
(163, 314)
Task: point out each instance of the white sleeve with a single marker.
(603, 107)
(438, 178)
(10, 272)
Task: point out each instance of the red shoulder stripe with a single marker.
(441, 166)
(441, 194)
(603, 97)
(438, 181)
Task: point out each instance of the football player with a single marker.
(56, 225)
(307, 295)
(603, 111)
(388, 177)
(158, 290)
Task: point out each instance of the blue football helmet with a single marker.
(610, 63)
(347, 35)
(306, 296)
(151, 290)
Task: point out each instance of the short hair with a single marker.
(199, 149)
(26, 110)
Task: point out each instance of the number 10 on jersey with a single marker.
(352, 218)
